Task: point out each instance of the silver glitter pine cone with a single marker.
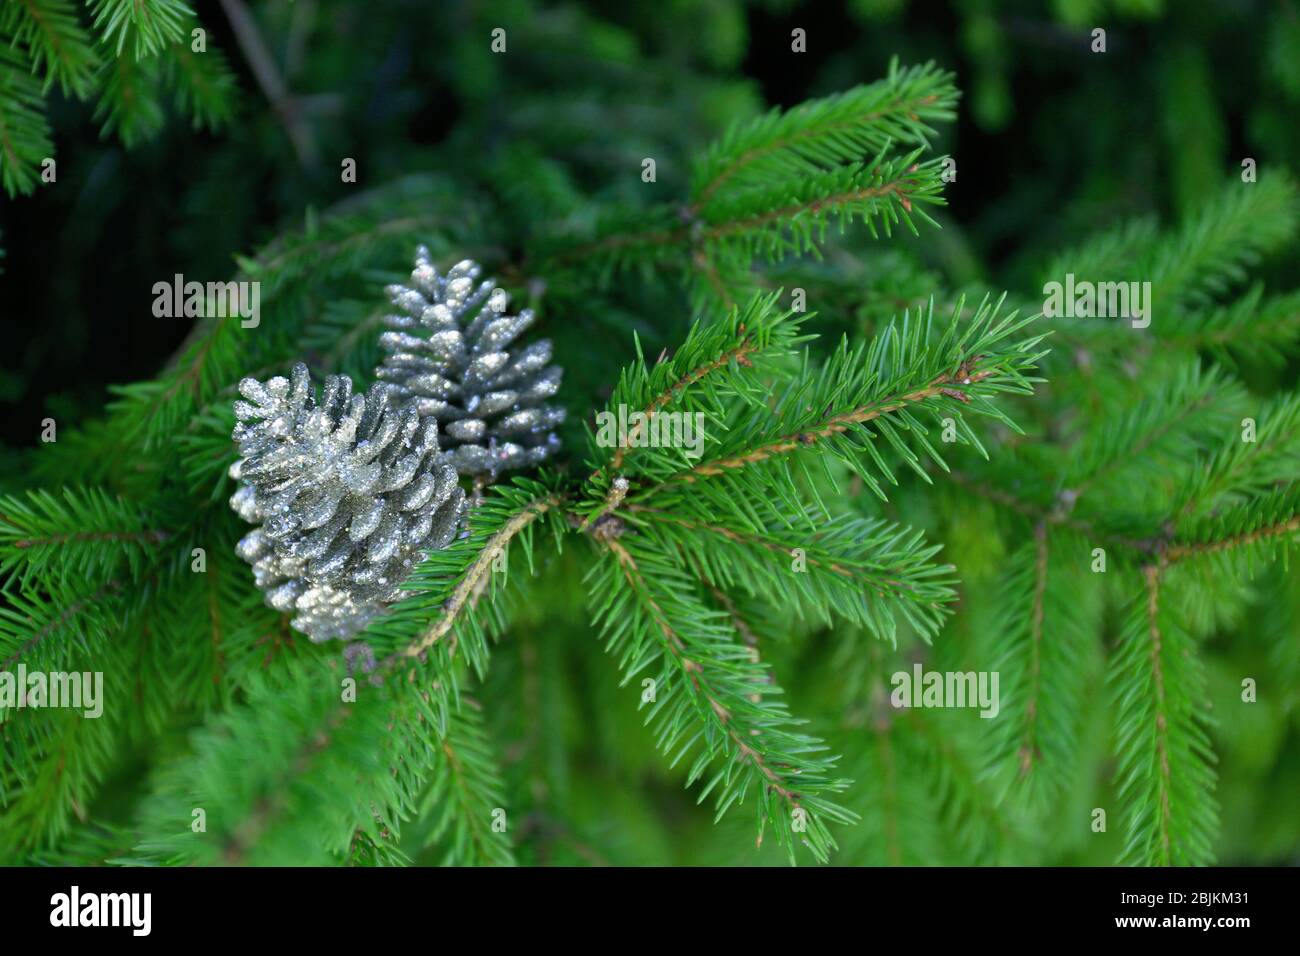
(449, 356)
(347, 494)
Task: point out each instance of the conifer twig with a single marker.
(1179, 552)
(948, 385)
(1029, 747)
(481, 566)
(1151, 574)
(694, 672)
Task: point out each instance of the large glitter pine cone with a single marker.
(450, 358)
(348, 493)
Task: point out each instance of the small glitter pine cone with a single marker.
(449, 356)
(347, 494)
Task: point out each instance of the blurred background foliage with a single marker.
(1053, 143)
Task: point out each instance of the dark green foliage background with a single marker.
(1054, 144)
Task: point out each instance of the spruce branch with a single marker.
(24, 130)
(30, 620)
(1236, 228)
(147, 25)
(1161, 432)
(1165, 774)
(203, 84)
(837, 425)
(467, 588)
(876, 391)
(292, 741)
(738, 354)
(455, 811)
(744, 629)
(1029, 749)
(1258, 528)
(782, 146)
(788, 218)
(791, 218)
(51, 765)
(84, 535)
(772, 186)
(1239, 469)
(713, 698)
(968, 800)
(1188, 267)
(53, 761)
(95, 844)
(869, 572)
(1252, 328)
(450, 787)
(717, 366)
(130, 104)
(1044, 646)
(59, 46)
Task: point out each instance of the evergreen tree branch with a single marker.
(1236, 226)
(718, 365)
(787, 218)
(882, 386)
(30, 620)
(791, 218)
(469, 584)
(866, 571)
(130, 104)
(205, 87)
(1165, 776)
(826, 132)
(456, 811)
(147, 25)
(1049, 616)
(945, 385)
(24, 130)
(85, 535)
(1155, 434)
(1252, 329)
(713, 697)
(1257, 527)
(58, 45)
(1241, 469)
